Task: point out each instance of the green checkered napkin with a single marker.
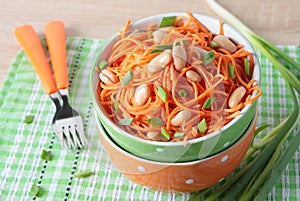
(21, 144)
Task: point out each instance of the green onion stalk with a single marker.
(266, 159)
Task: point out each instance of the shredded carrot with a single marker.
(133, 51)
(197, 23)
(122, 33)
(221, 31)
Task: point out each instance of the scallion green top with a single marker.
(155, 121)
(246, 66)
(208, 57)
(102, 64)
(161, 48)
(231, 71)
(127, 77)
(125, 121)
(162, 93)
(165, 133)
(202, 126)
(46, 155)
(167, 21)
(208, 103)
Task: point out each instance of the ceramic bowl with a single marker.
(176, 151)
(177, 177)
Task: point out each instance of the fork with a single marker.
(67, 123)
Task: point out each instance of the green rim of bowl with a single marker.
(112, 142)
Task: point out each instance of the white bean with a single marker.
(108, 77)
(156, 135)
(160, 61)
(200, 50)
(179, 57)
(181, 117)
(192, 75)
(158, 35)
(225, 43)
(236, 96)
(141, 94)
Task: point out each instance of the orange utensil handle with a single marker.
(31, 44)
(56, 40)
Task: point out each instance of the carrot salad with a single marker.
(176, 80)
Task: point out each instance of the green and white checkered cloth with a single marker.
(21, 144)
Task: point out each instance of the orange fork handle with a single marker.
(31, 44)
(56, 40)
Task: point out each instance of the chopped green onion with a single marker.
(36, 190)
(183, 42)
(125, 121)
(83, 174)
(127, 77)
(178, 134)
(116, 106)
(161, 48)
(167, 21)
(155, 121)
(213, 44)
(46, 155)
(208, 57)
(150, 34)
(183, 93)
(102, 64)
(29, 119)
(246, 66)
(208, 102)
(162, 93)
(165, 133)
(202, 126)
(231, 71)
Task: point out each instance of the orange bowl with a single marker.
(177, 177)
